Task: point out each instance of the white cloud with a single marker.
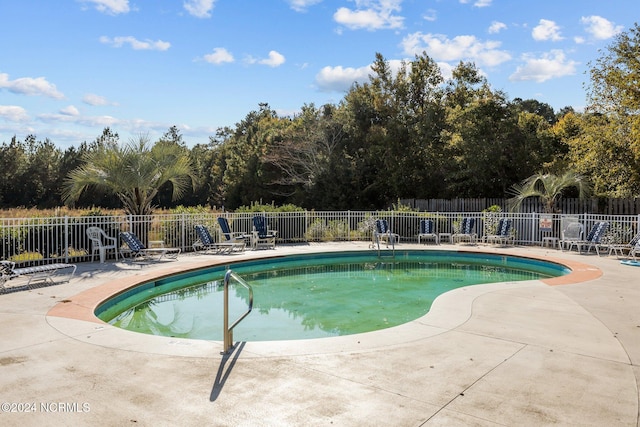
(98, 121)
(199, 8)
(220, 55)
(30, 86)
(96, 100)
(112, 7)
(546, 30)
(302, 5)
(482, 3)
(478, 3)
(460, 48)
(135, 43)
(430, 15)
(446, 70)
(90, 121)
(370, 15)
(275, 59)
(13, 113)
(496, 27)
(339, 79)
(70, 111)
(600, 28)
(551, 65)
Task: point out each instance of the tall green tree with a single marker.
(248, 176)
(480, 136)
(615, 75)
(134, 172)
(30, 173)
(174, 141)
(392, 128)
(610, 129)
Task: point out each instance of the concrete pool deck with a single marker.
(524, 353)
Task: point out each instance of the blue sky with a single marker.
(69, 68)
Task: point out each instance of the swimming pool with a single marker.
(312, 296)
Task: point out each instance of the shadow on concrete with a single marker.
(223, 374)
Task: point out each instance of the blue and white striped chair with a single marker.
(594, 238)
(237, 240)
(262, 236)
(383, 232)
(631, 248)
(45, 272)
(428, 231)
(466, 232)
(503, 232)
(139, 251)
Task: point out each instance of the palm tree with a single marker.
(549, 188)
(134, 172)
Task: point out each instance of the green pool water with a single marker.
(315, 296)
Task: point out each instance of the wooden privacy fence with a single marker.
(33, 241)
(567, 206)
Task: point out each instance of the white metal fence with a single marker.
(46, 239)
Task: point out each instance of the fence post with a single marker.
(66, 238)
(534, 236)
(183, 227)
(305, 229)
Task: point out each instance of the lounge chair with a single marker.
(594, 238)
(226, 235)
(630, 248)
(635, 250)
(45, 272)
(383, 232)
(466, 232)
(428, 231)
(262, 237)
(139, 251)
(207, 244)
(101, 243)
(503, 233)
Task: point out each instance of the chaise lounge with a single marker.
(139, 251)
(45, 272)
(237, 239)
(207, 244)
(593, 240)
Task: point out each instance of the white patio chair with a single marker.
(101, 243)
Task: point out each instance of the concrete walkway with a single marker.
(506, 354)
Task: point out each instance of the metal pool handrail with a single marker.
(228, 330)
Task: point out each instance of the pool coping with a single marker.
(75, 316)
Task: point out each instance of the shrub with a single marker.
(491, 217)
(259, 207)
(331, 231)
